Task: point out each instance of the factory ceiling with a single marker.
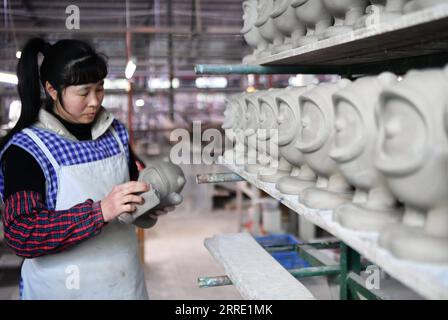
(200, 31)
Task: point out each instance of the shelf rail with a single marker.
(257, 69)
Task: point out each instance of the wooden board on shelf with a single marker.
(429, 280)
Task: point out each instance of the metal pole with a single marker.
(170, 60)
(130, 105)
(208, 282)
(350, 261)
(239, 205)
(315, 271)
(140, 231)
(197, 8)
(128, 58)
(218, 177)
(257, 69)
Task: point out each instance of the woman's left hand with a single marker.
(160, 212)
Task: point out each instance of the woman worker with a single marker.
(66, 176)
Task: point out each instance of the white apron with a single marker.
(106, 266)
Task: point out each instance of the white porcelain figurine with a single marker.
(251, 33)
(346, 13)
(286, 21)
(268, 145)
(266, 26)
(412, 152)
(380, 11)
(233, 128)
(315, 140)
(301, 176)
(416, 5)
(316, 18)
(373, 206)
(167, 181)
(251, 125)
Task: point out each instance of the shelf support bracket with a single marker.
(218, 177)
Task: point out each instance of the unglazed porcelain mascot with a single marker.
(416, 5)
(316, 18)
(381, 11)
(167, 181)
(266, 26)
(251, 33)
(412, 152)
(251, 124)
(287, 23)
(301, 176)
(315, 140)
(233, 128)
(268, 144)
(373, 206)
(346, 13)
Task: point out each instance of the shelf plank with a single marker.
(418, 39)
(254, 272)
(429, 280)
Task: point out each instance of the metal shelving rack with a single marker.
(416, 40)
(429, 280)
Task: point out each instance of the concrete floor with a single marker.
(10, 265)
(175, 256)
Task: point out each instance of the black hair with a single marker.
(67, 62)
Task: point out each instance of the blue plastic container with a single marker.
(277, 240)
(288, 259)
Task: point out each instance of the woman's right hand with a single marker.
(123, 199)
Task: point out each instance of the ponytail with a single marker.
(28, 85)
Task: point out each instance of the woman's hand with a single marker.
(123, 199)
(160, 212)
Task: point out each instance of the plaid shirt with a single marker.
(33, 228)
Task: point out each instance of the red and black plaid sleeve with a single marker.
(32, 230)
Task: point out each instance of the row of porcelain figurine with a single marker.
(272, 26)
(373, 150)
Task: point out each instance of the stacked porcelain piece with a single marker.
(373, 150)
(273, 26)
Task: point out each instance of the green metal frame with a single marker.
(292, 247)
(315, 271)
(350, 261)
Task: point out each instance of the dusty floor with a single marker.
(175, 256)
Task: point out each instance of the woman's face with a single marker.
(81, 102)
